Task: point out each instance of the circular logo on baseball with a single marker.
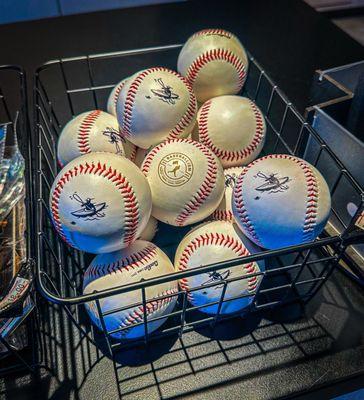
(175, 169)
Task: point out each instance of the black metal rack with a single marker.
(67, 87)
(14, 115)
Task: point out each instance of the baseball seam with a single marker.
(309, 224)
(205, 189)
(217, 55)
(222, 215)
(214, 31)
(312, 199)
(220, 239)
(133, 152)
(117, 92)
(241, 209)
(150, 156)
(131, 204)
(137, 314)
(229, 155)
(186, 118)
(84, 130)
(127, 263)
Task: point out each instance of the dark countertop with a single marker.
(291, 41)
(288, 37)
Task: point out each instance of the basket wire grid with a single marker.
(14, 115)
(67, 87)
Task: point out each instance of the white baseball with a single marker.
(89, 132)
(113, 97)
(154, 105)
(100, 202)
(150, 230)
(281, 200)
(141, 260)
(214, 62)
(211, 243)
(224, 211)
(233, 127)
(186, 180)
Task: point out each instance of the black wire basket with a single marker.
(67, 87)
(14, 118)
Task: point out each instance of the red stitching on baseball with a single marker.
(217, 55)
(130, 201)
(220, 32)
(230, 155)
(188, 116)
(222, 215)
(130, 100)
(84, 131)
(206, 188)
(137, 314)
(124, 264)
(312, 198)
(117, 92)
(149, 158)
(240, 207)
(133, 152)
(220, 239)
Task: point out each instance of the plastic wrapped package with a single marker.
(14, 273)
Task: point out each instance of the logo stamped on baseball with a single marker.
(145, 268)
(164, 93)
(273, 183)
(175, 169)
(230, 180)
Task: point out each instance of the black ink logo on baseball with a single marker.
(164, 93)
(272, 183)
(147, 267)
(216, 276)
(115, 137)
(230, 180)
(175, 169)
(89, 211)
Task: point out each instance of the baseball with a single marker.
(214, 62)
(233, 127)
(100, 202)
(280, 200)
(141, 260)
(154, 105)
(113, 97)
(89, 132)
(186, 180)
(224, 211)
(211, 243)
(150, 230)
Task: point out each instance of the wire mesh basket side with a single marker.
(64, 88)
